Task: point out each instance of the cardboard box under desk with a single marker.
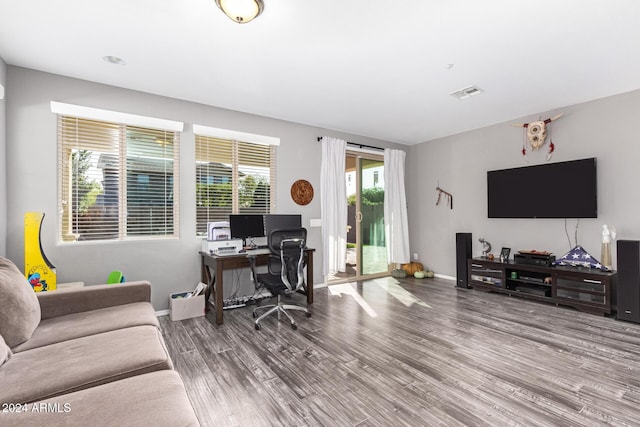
(185, 308)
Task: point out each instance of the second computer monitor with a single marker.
(277, 221)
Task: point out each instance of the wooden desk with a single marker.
(213, 267)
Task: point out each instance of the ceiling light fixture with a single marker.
(241, 11)
(113, 60)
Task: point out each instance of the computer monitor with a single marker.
(246, 227)
(277, 221)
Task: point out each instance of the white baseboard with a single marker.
(444, 276)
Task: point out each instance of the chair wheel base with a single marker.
(294, 326)
(257, 327)
(307, 314)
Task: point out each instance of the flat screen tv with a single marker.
(552, 190)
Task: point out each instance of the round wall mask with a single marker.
(302, 192)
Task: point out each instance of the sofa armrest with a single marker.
(76, 300)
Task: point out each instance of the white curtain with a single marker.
(333, 199)
(396, 225)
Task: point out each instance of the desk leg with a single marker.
(310, 278)
(218, 295)
(205, 277)
(214, 282)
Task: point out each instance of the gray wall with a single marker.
(604, 128)
(3, 163)
(171, 265)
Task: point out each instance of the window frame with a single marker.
(207, 135)
(66, 233)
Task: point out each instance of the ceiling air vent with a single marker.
(466, 92)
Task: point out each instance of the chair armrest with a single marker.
(76, 300)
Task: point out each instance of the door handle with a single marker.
(359, 216)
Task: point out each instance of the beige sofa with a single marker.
(85, 356)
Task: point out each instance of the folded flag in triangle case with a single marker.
(578, 257)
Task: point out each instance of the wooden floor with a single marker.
(418, 352)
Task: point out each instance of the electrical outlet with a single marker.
(415, 256)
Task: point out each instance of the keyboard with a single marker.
(259, 251)
(226, 253)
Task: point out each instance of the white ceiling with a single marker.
(369, 67)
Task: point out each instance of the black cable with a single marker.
(255, 294)
(236, 285)
(235, 288)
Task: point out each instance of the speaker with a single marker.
(629, 280)
(463, 253)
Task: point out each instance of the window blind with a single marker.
(116, 181)
(232, 177)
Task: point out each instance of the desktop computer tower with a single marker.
(463, 253)
(629, 280)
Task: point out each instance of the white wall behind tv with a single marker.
(605, 129)
(171, 265)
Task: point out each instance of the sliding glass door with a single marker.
(370, 218)
(366, 252)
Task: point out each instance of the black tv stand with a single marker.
(585, 289)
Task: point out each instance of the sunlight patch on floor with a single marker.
(349, 289)
(390, 285)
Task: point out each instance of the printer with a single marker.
(222, 247)
(219, 230)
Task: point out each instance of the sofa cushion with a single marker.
(20, 313)
(156, 399)
(68, 366)
(87, 298)
(78, 325)
(5, 351)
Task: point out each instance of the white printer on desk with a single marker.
(219, 241)
(222, 247)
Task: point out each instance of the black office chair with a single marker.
(286, 271)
